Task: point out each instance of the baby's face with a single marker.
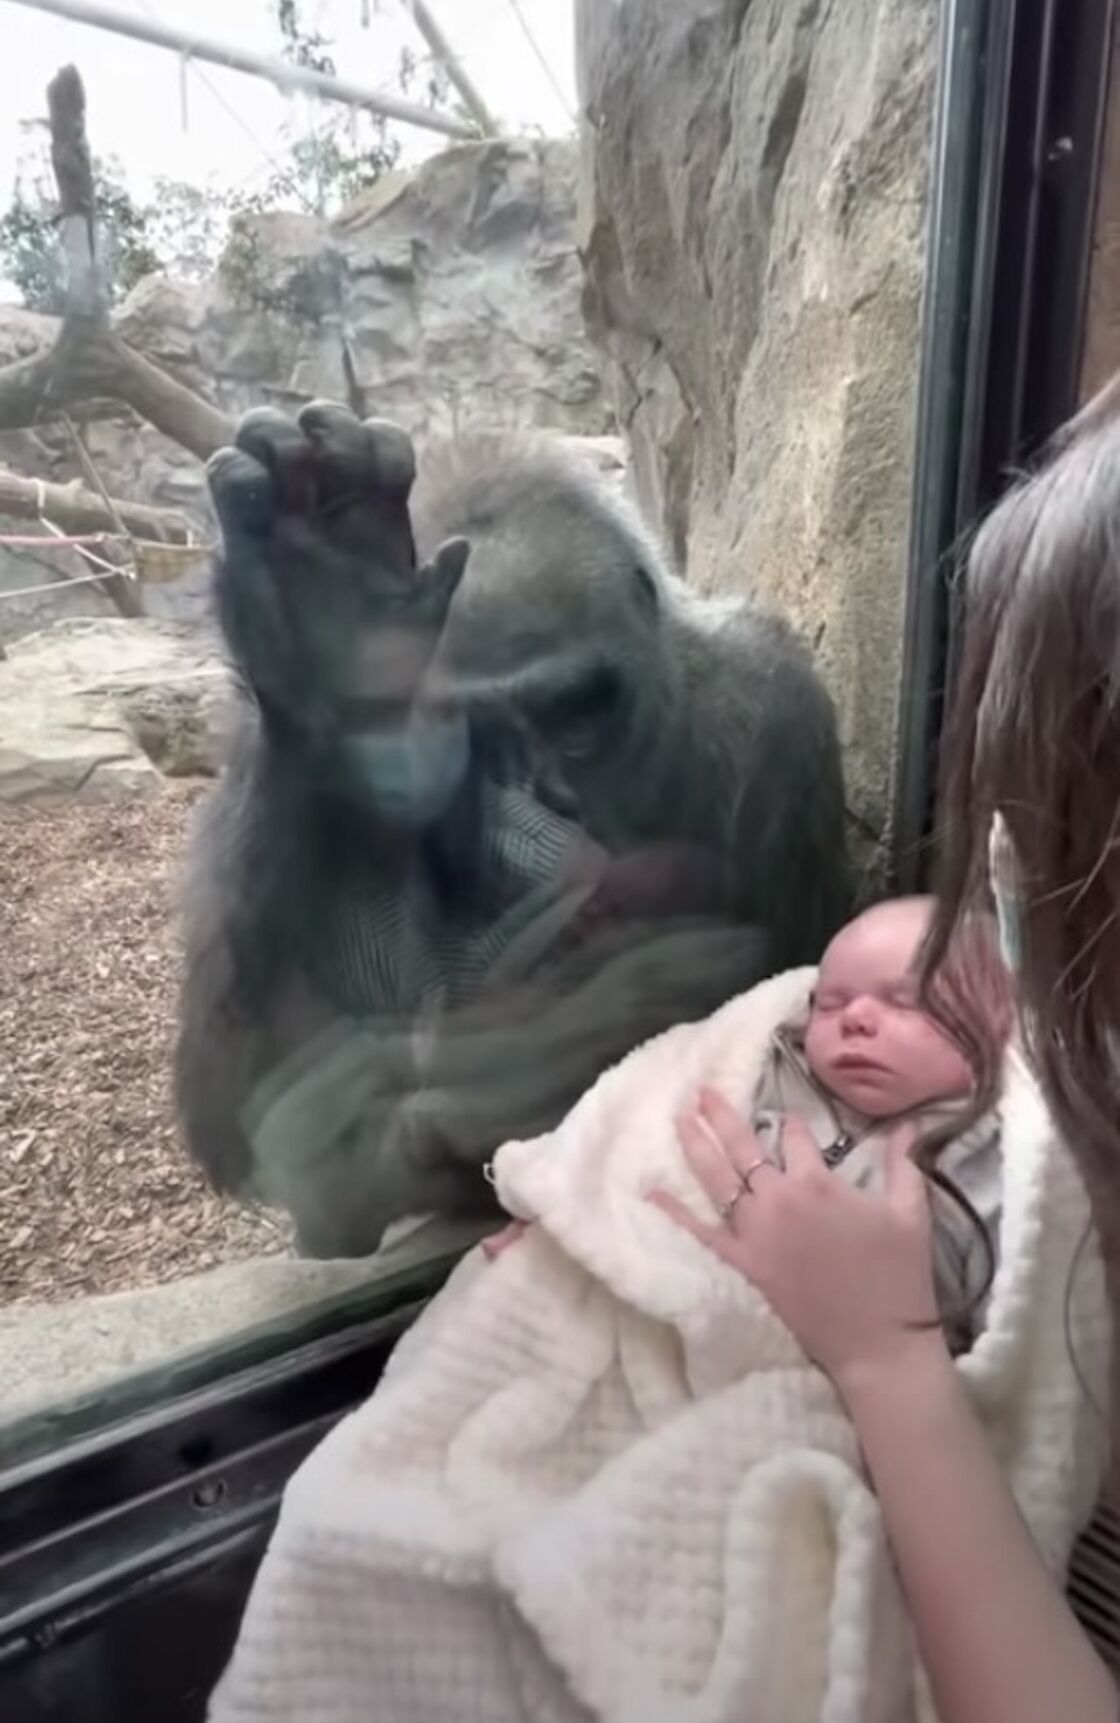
(867, 1041)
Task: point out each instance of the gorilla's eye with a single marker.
(577, 717)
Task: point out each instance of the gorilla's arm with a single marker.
(244, 1005)
(317, 571)
(371, 1127)
(497, 1073)
(351, 1114)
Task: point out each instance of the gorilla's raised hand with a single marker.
(328, 618)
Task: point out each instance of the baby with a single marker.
(599, 1478)
(867, 1059)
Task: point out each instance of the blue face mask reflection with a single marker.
(411, 775)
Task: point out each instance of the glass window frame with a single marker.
(1018, 139)
(104, 1503)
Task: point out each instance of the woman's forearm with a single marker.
(998, 1640)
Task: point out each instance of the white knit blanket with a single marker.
(599, 1478)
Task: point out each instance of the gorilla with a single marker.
(508, 798)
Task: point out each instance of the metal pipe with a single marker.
(442, 51)
(1024, 95)
(949, 323)
(279, 72)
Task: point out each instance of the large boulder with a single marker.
(99, 710)
(753, 220)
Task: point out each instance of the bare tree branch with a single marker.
(86, 289)
(79, 510)
(168, 405)
(70, 157)
(89, 359)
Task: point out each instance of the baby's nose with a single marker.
(860, 1017)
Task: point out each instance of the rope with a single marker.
(126, 571)
(31, 541)
(56, 539)
(46, 588)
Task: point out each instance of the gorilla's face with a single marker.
(554, 637)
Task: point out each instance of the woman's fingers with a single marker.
(733, 1133)
(799, 1151)
(904, 1187)
(738, 1141)
(708, 1159)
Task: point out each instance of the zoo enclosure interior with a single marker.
(458, 294)
(686, 483)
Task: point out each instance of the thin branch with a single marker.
(82, 511)
(89, 468)
(88, 358)
(86, 289)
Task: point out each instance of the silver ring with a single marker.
(727, 1209)
(762, 1161)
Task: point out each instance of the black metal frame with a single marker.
(85, 1529)
(104, 1528)
(1022, 104)
(192, 1482)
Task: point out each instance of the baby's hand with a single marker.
(493, 1247)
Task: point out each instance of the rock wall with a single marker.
(450, 295)
(753, 214)
(103, 709)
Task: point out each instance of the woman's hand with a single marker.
(848, 1271)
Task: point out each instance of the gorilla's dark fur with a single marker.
(564, 664)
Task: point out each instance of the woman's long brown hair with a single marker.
(1034, 731)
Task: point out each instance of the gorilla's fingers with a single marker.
(250, 609)
(374, 454)
(436, 583)
(344, 454)
(443, 574)
(270, 436)
(242, 492)
(280, 446)
(394, 459)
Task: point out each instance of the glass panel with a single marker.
(461, 831)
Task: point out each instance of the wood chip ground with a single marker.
(96, 1192)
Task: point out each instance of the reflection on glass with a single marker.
(541, 701)
(498, 818)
